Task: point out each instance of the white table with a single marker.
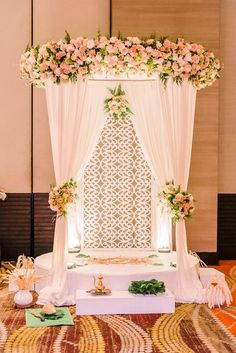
(123, 302)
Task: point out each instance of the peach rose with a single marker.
(43, 66)
(49, 309)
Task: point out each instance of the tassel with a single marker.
(218, 293)
(201, 263)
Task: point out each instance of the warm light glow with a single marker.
(164, 232)
(74, 229)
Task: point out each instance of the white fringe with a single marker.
(218, 293)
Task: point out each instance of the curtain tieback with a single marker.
(177, 203)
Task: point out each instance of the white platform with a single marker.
(116, 277)
(123, 302)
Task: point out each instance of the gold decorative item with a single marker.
(119, 260)
(36, 314)
(23, 276)
(99, 287)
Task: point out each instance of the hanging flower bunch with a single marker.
(3, 194)
(177, 203)
(116, 105)
(73, 59)
(61, 196)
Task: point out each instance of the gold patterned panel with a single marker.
(117, 191)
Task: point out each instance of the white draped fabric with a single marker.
(76, 119)
(149, 122)
(163, 120)
(179, 109)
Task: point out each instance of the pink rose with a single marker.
(65, 68)
(113, 39)
(188, 57)
(194, 47)
(158, 44)
(52, 66)
(195, 59)
(167, 44)
(134, 40)
(57, 72)
(175, 66)
(63, 46)
(109, 48)
(128, 43)
(186, 208)
(70, 48)
(187, 68)
(150, 41)
(180, 61)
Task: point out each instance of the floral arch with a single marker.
(155, 79)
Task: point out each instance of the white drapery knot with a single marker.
(61, 197)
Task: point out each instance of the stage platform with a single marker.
(147, 265)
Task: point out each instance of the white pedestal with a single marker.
(206, 274)
(123, 302)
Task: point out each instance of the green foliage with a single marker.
(82, 255)
(147, 287)
(118, 100)
(153, 255)
(99, 33)
(162, 39)
(120, 36)
(178, 80)
(57, 315)
(158, 264)
(67, 37)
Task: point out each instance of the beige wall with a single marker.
(51, 18)
(210, 22)
(196, 21)
(15, 127)
(227, 122)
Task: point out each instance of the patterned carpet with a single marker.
(193, 328)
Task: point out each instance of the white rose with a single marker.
(90, 44)
(3, 195)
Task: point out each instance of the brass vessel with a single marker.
(99, 287)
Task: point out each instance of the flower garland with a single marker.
(116, 105)
(61, 196)
(177, 203)
(73, 59)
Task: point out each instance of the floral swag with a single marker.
(74, 59)
(116, 105)
(178, 204)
